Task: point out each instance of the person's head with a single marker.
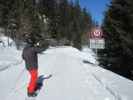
(27, 38)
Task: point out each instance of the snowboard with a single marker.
(40, 80)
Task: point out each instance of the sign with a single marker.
(96, 39)
(96, 33)
(97, 43)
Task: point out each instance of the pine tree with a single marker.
(64, 20)
(118, 30)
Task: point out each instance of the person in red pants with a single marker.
(30, 57)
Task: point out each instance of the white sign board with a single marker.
(97, 43)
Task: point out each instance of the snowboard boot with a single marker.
(34, 94)
(38, 86)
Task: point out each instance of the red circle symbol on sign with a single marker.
(96, 33)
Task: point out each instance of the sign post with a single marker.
(96, 39)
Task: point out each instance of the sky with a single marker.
(96, 8)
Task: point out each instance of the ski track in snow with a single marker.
(8, 58)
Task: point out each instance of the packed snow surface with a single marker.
(72, 78)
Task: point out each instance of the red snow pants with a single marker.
(33, 80)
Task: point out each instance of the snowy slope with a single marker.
(72, 78)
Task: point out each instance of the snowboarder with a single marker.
(30, 57)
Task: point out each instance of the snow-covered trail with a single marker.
(72, 79)
(69, 81)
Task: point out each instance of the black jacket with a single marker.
(30, 56)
